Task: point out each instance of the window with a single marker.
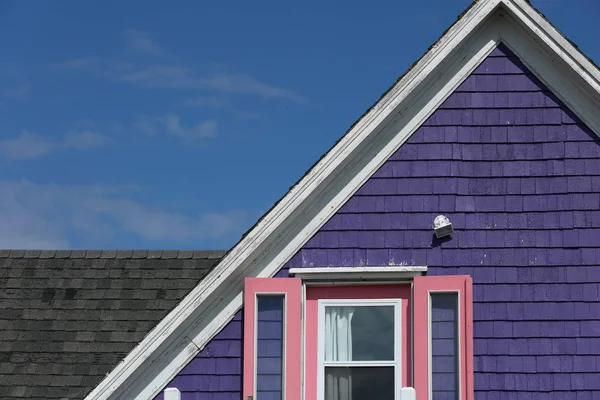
(358, 341)
(342, 359)
(352, 365)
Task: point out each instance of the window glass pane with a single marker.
(362, 333)
(444, 346)
(359, 383)
(269, 353)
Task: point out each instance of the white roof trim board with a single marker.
(334, 179)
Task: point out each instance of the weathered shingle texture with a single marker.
(68, 317)
(519, 177)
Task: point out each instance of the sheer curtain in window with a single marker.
(338, 347)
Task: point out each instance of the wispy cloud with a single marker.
(177, 77)
(85, 140)
(203, 129)
(174, 77)
(29, 145)
(171, 124)
(142, 42)
(48, 216)
(102, 67)
(219, 103)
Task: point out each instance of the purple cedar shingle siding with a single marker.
(444, 344)
(519, 177)
(216, 372)
(270, 347)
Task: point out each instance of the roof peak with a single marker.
(111, 254)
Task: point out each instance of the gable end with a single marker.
(340, 173)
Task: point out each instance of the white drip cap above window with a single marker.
(337, 274)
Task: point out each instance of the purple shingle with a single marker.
(587, 151)
(383, 186)
(373, 240)
(457, 100)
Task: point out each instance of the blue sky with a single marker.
(153, 124)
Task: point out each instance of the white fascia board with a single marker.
(556, 41)
(572, 85)
(334, 275)
(318, 195)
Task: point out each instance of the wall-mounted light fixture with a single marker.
(442, 226)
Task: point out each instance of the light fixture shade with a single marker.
(442, 226)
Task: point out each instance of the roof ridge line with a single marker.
(113, 254)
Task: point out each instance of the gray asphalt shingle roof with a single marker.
(68, 317)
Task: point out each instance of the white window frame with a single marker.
(398, 336)
(430, 339)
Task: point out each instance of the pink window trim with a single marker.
(292, 288)
(313, 294)
(422, 286)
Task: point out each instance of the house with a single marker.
(343, 290)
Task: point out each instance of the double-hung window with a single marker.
(358, 340)
(351, 363)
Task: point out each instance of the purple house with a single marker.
(447, 247)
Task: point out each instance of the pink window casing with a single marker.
(423, 286)
(292, 289)
(353, 292)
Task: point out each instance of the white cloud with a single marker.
(102, 67)
(85, 140)
(26, 145)
(203, 129)
(141, 42)
(171, 124)
(175, 77)
(29, 145)
(221, 103)
(242, 83)
(180, 77)
(46, 216)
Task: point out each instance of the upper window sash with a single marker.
(423, 289)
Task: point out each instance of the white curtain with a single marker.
(338, 347)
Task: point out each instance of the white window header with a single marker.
(346, 274)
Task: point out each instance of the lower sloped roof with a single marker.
(68, 317)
